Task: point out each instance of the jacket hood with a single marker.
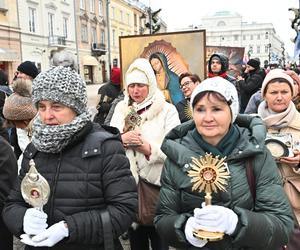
(224, 62)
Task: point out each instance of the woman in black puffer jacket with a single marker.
(85, 166)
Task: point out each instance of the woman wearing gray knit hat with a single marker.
(205, 188)
(85, 165)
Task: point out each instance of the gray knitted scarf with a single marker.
(52, 139)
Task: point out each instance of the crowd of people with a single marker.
(155, 128)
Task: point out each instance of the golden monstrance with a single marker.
(35, 188)
(209, 174)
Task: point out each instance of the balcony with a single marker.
(98, 49)
(57, 41)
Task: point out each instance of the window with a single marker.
(92, 6)
(102, 36)
(258, 36)
(3, 4)
(51, 24)
(112, 12)
(135, 20)
(128, 19)
(32, 18)
(82, 4)
(94, 35)
(65, 27)
(244, 37)
(121, 16)
(267, 35)
(114, 37)
(236, 37)
(221, 23)
(258, 49)
(266, 48)
(251, 37)
(100, 8)
(84, 37)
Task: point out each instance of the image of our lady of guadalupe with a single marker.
(167, 65)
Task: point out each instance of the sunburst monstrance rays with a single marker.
(209, 173)
(188, 111)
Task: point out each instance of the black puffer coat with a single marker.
(90, 175)
(251, 84)
(8, 175)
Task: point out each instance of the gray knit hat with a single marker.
(61, 84)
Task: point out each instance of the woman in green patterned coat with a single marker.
(262, 220)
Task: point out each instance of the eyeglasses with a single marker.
(185, 84)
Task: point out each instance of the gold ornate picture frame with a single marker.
(184, 51)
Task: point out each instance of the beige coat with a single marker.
(291, 176)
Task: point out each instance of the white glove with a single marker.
(34, 221)
(216, 219)
(48, 238)
(190, 226)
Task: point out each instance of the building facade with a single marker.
(91, 39)
(10, 37)
(90, 29)
(121, 15)
(260, 40)
(128, 17)
(46, 27)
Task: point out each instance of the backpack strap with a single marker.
(251, 178)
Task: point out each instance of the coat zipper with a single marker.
(51, 211)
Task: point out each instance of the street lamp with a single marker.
(269, 52)
(108, 37)
(283, 55)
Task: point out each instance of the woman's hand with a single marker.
(293, 161)
(132, 139)
(145, 148)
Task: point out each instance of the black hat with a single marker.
(254, 63)
(28, 68)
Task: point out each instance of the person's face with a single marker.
(212, 118)
(187, 86)
(156, 65)
(215, 66)
(278, 96)
(55, 113)
(249, 68)
(22, 75)
(138, 92)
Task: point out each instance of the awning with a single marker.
(90, 60)
(8, 55)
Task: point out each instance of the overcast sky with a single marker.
(178, 14)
